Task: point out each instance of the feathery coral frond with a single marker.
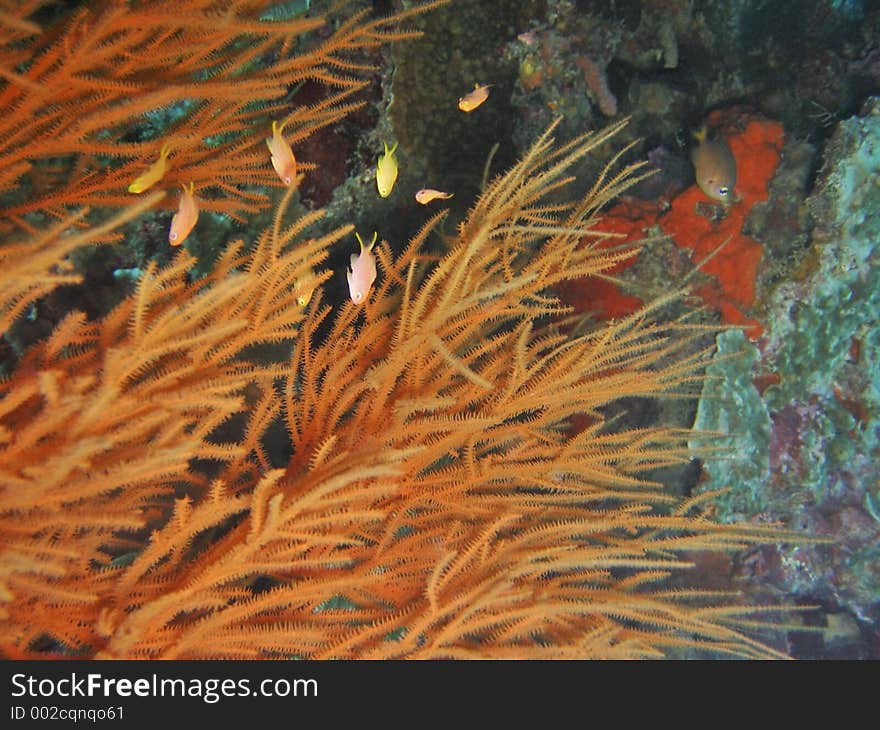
(437, 501)
(202, 80)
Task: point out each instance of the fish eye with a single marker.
(723, 190)
(173, 235)
(358, 296)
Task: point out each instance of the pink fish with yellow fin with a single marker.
(471, 101)
(426, 195)
(282, 155)
(154, 174)
(362, 271)
(185, 218)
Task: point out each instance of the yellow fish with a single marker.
(426, 195)
(386, 171)
(185, 218)
(714, 166)
(362, 271)
(282, 156)
(306, 287)
(152, 175)
(471, 101)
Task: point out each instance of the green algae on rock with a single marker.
(806, 450)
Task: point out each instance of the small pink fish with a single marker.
(426, 195)
(471, 101)
(185, 218)
(282, 156)
(362, 271)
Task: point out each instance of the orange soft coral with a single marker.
(599, 297)
(699, 225)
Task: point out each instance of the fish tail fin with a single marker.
(365, 246)
(700, 133)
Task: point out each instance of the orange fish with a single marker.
(714, 167)
(185, 218)
(426, 195)
(154, 174)
(282, 156)
(471, 101)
